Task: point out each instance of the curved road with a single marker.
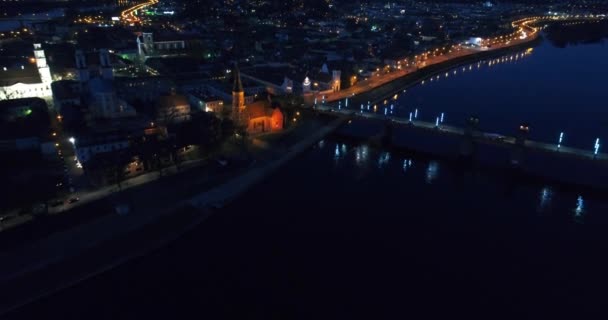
(525, 32)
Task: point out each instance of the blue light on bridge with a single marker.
(416, 114)
(597, 147)
(315, 101)
(437, 122)
(392, 106)
(362, 108)
(561, 139)
(385, 111)
(339, 105)
(441, 120)
(410, 117)
(346, 104)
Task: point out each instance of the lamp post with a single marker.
(596, 147)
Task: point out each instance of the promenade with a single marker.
(525, 33)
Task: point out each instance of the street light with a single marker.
(72, 140)
(597, 147)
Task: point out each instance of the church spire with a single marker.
(238, 85)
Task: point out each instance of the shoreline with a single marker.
(405, 82)
(199, 206)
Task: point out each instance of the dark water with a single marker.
(553, 89)
(348, 231)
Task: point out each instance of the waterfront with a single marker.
(349, 230)
(552, 89)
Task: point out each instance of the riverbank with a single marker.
(389, 89)
(112, 240)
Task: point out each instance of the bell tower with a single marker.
(238, 98)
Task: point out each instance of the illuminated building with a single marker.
(256, 117)
(19, 85)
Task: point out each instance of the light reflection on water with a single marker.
(579, 210)
(546, 195)
(432, 172)
(407, 163)
(362, 155)
(547, 199)
(384, 159)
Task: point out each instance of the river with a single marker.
(348, 230)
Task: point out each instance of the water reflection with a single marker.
(361, 155)
(432, 171)
(407, 163)
(579, 211)
(383, 160)
(546, 194)
(340, 151)
(489, 63)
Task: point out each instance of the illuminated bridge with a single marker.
(440, 139)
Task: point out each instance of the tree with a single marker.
(119, 162)
(7, 94)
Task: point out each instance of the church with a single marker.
(257, 117)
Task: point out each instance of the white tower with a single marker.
(43, 68)
(105, 65)
(81, 66)
(306, 85)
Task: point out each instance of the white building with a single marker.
(148, 46)
(105, 103)
(41, 89)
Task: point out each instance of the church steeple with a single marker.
(238, 85)
(238, 99)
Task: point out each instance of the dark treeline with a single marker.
(563, 35)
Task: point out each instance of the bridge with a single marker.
(517, 151)
(478, 136)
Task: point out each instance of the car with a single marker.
(73, 200)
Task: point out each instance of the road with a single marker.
(525, 33)
(128, 15)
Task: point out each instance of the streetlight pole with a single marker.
(596, 148)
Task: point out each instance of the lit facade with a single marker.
(32, 90)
